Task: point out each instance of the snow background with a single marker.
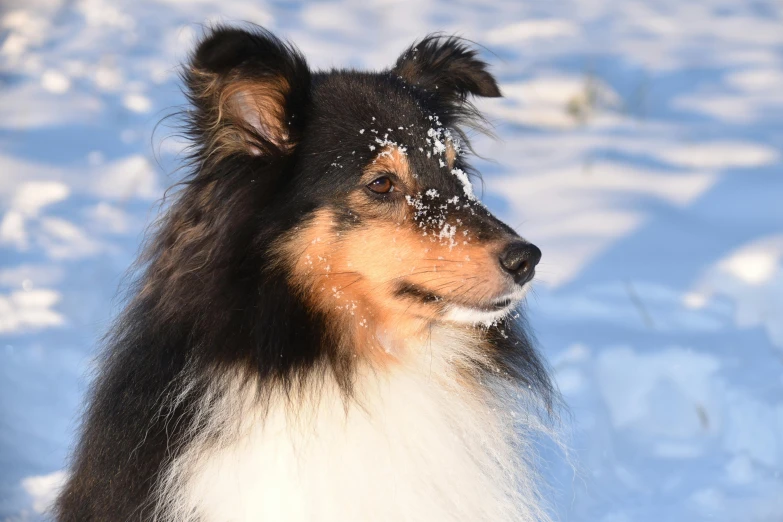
(640, 148)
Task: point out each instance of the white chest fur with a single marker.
(419, 442)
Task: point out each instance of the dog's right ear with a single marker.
(249, 90)
(448, 67)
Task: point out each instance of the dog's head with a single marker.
(362, 177)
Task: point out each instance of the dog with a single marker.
(326, 323)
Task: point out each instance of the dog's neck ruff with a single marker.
(430, 438)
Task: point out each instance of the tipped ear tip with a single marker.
(483, 84)
(490, 89)
(223, 47)
(220, 49)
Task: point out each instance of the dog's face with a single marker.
(370, 176)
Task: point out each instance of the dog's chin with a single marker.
(485, 314)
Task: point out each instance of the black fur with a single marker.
(210, 295)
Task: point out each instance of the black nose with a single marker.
(520, 259)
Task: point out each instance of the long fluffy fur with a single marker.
(412, 444)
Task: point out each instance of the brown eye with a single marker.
(382, 185)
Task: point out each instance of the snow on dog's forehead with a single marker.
(431, 148)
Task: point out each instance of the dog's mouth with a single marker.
(485, 314)
(466, 312)
(499, 304)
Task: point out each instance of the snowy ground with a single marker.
(640, 148)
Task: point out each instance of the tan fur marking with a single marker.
(260, 105)
(240, 111)
(451, 154)
(391, 159)
(351, 276)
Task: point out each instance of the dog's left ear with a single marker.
(448, 67)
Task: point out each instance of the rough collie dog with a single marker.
(325, 326)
